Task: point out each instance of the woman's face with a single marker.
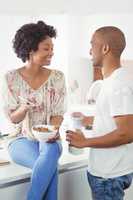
(43, 55)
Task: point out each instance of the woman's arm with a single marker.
(18, 115)
(59, 100)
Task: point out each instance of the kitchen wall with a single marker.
(10, 23)
(71, 46)
(80, 30)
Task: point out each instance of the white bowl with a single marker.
(44, 136)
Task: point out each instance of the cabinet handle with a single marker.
(73, 168)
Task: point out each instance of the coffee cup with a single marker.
(76, 126)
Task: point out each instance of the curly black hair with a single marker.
(28, 37)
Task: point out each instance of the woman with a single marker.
(34, 95)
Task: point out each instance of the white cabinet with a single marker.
(73, 185)
(14, 192)
(129, 193)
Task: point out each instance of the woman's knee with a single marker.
(13, 148)
(23, 152)
(51, 148)
(13, 152)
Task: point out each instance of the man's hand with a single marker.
(87, 121)
(77, 114)
(76, 139)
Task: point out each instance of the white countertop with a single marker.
(14, 172)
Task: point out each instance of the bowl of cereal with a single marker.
(44, 132)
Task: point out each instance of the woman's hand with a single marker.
(56, 137)
(56, 120)
(24, 108)
(77, 114)
(19, 114)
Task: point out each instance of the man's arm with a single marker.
(122, 135)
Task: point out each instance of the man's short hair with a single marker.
(114, 37)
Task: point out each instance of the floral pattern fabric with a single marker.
(49, 99)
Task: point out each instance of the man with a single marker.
(110, 165)
(94, 91)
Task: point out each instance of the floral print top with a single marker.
(49, 99)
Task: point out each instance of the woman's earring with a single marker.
(31, 55)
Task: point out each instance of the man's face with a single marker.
(96, 50)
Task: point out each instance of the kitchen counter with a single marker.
(13, 172)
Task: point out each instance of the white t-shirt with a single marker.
(94, 90)
(115, 98)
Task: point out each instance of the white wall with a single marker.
(10, 24)
(74, 7)
(122, 21)
(80, 30)
(71, 46)
(79, 65)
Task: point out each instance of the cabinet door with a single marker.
(15, 192)
(129, 193)
(73, 185)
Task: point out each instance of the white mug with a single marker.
(76, 125)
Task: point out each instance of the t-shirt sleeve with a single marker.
(121, 101)
(94, 90)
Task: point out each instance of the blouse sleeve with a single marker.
(59, 100)
(8, 96)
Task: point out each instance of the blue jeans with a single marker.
(42, 158)
(109, 189)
